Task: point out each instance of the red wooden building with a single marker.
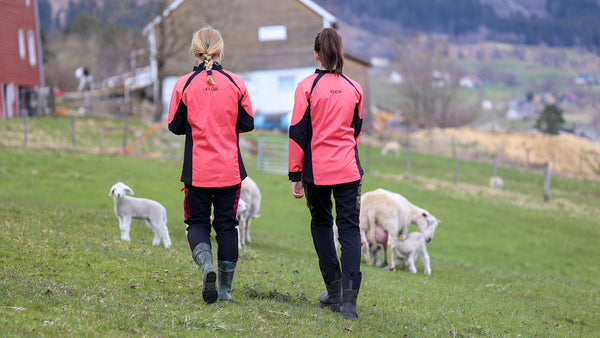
(21, 64)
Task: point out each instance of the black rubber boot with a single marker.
(202, 255)
(226, 271)
(348, 308)
(332, 298)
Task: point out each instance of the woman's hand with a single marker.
(297, 189)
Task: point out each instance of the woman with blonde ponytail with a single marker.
(211, 107)
(323, 160)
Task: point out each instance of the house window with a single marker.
(272, 33)
(27, 3)
(21, 44)
(286, 82)
(31, 47)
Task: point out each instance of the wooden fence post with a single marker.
(25, 127)
(73, 133)
(101, 138)
(547, 182)
(408, 164)
(495, 165)
(456, 161)
(126, 132)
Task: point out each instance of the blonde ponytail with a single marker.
(207, 43)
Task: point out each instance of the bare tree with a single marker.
(428, 89)
(172, 35)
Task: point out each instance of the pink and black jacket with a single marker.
(325, 128)
(211, 118)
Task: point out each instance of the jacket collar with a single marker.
(200, 67)
(320, 71)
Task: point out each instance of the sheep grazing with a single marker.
(391, 147)
(127, 207)
(242, 212)
(393, 213)
(496, 183)
(250, 194)
(407, 250)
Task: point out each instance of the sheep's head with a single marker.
(427, 224)
(241, 207)
(119, 190)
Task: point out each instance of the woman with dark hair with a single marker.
(323, 159)
(211, 107)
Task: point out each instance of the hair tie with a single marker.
(209, 72)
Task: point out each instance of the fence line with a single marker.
(272, 155)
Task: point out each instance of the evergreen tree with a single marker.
(551, 120)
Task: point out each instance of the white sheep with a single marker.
(242, 212)
(408, 249)
(496, 183)
(391, 147)
(393, 213)
(127, 207)
(250, 194)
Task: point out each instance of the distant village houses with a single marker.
(267, 42)
(21, 69)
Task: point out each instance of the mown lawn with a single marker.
(504, 263)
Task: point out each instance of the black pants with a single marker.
(347, 208)
(197, 208)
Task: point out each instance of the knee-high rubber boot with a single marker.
(348, 308)
(349, 296)
(332, 298)
(226, 271)
(202, 255)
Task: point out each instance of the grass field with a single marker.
(504, 263)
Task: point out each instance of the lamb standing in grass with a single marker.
(496, 183)
(251, 196)
(127, 207)
(393, 213)
(242, 212)
(407, 250)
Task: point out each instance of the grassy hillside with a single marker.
(504, 263)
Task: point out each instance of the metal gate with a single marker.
(272, 154)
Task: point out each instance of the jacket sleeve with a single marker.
(357, 119)
(298, 134)
(245, 113)
(177, 112)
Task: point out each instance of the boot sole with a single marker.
(332, 307)
(209, 288)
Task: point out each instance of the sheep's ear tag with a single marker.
(401, 237)
(424, 215)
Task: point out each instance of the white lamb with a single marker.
(496, 183)
(242, 212)
(408, 249)
(391, 147)
(250, 194)
(393, 213)
(127, 207)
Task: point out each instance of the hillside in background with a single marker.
(567, 23)
(520, 51)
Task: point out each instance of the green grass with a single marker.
(504, 263)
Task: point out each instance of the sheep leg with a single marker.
(412, 257)
(166, 239)
(248, 230)
(242, 233)
(384, 262)
(426, 261)
(377, 255)
(239, 237)
(157, 230)
(125, 226)
(365, 246)
(390, 251)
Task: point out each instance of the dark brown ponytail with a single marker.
(328, 45)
